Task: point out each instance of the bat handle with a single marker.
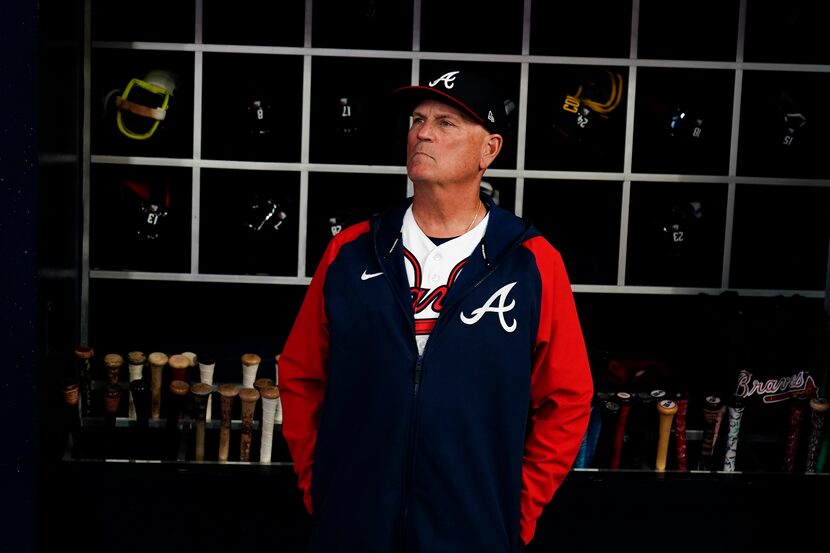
(666, 409)
(140, 392)
(624, 399)
(135, 366)
(250, 365)
(736, 411)
(270, 396)
(206, 370)
(112, 364)
(227, 394)
(83, 361)
(71, 398)
(201, 393)
(712, 413)
(178, 391)
(818, 408)
(112, 400)
(680, 432)
(248, 398)
(157, 362)
(798, 407)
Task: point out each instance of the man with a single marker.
(435, 384)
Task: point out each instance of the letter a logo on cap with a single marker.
(447, 78)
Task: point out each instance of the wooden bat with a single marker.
(666, 409)
(798, 407)
(818, 409)
(158, 361)
(178, 391)
(140, 392)
(270, 395)
(191, 367)
(248, 397)
(227, 394)
(642, 417)
(259, 384)
(71, 398)
(178, 367)
(682, 401)
(712, 413)
(207, 366)
(735, 412)
(278, 413)
(624, 399)
(250, 365)
(610, 412)
(112, 368)
(112, 400)
(201, 393)
(135, 367)
(83, 361)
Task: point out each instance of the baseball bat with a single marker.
(112, 368)
(178, 364)
(818, 410)
(682, 401)
(735, 412)
(201, 393)
(610, 412)
(624, 399)
(177, 392)
(666, 408)
(193, 362)
(83, 361)
(259, 384)
(823, 453)
(798, 407)
(250, 365)
(158, 361)
(112, 400)
(270, 395)
(71, 398)
(248, 398)
(140, 392)
(227, 394)
(135, 367)
(712, 413)
(278, 412)
(640, 430)
(207, 365)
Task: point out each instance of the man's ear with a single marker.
(490, 149)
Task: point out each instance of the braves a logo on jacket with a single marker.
(496, 304)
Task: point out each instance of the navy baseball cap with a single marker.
(475, 95)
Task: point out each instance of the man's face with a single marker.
(444, 146)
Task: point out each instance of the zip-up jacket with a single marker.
(460, 448)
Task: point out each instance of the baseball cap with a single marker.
(474, 94)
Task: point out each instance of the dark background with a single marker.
(99, 506)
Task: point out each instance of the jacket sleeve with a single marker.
(302, 380)
(560, 393)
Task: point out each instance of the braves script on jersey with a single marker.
(432, 270)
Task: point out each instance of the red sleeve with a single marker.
(561, 388)
(303, 368)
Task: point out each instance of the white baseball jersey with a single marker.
(432, 270)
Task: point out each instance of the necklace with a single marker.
(478, 208)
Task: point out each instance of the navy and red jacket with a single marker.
(453, 451)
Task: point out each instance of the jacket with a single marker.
(458, 449)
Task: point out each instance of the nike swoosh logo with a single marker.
(367, 276)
